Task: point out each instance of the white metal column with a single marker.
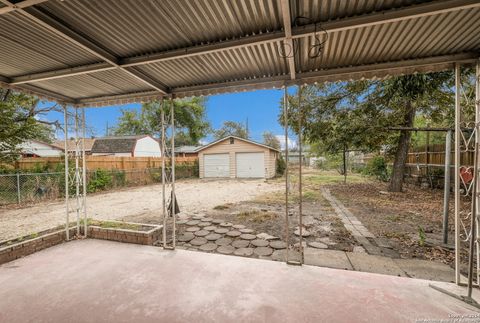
(457, 172)
(169, 203)
(66, 181)
(477, 141)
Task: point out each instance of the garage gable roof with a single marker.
(238, 138)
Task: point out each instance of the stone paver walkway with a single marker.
(372, 244)
(227, 238)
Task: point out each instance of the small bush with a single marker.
(280, 168)
(101, 180)
(377, 167)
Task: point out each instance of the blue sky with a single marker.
(260, 107)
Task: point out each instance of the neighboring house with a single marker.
(187, 151)
(234, 157)
(35, 148)
(126, 146)
(71, 145)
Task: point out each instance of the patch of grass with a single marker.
(112, 224)
(325, 178)
(256, 216)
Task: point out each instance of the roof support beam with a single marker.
(288, 45)
(388, 16)
(410, 12)
(380, 70)
(20, 5)
(72, 36)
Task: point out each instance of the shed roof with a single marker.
(93, 53)
(71, 144)
(124, 144)
(238, 138)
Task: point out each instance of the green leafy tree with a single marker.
(357, 114)
(21, 119)
(231, 128)
(271, 140)
(190, 120)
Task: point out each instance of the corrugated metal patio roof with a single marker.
(93, 53)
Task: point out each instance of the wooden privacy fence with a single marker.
(434, 155)
(104, 162)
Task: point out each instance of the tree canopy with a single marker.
(357, 114)
(20, 120)
(231, 128)
(190, 120)
(271, 140)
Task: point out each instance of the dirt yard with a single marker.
(411, 220)
(135, 204)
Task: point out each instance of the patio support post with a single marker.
(457, 172)
(285, 121)
(84, 176)
(446, 186)
(173, 197)
(477, 142)
(162, 148)
(65, 132)
(300, 197)
(77, 172)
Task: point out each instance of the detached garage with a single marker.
(234, 157)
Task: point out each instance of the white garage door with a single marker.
(216, 165)
(250, 165)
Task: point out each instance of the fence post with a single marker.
(18, 189)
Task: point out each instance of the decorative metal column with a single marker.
(287, 184)
(66, 179)
(169, 201)
(80, 171)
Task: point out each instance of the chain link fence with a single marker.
(25, 188)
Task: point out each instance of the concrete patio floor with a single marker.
(102, 281)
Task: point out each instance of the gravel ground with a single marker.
(193, 196)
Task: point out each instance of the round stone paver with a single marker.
(206, 219)
(193, 222)
(305, 232)
(197, 217)
(246, 230)
(210, 228)
(187, 236)
(226, 250)
(240, 243)
(239, 226)
(263, 251)
(217, 221)
(198, 241)
(317, 245)
(226, 224)
(233, 233)
(277, 244)
(201, 233)
(221, 230)
(259, 243)
(208, 247)
(182, 221)
(204, 224)
(213, 236)
(246, 252)
(223, 241)
(248, 236)
(192, 229)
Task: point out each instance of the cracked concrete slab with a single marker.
(374, 264)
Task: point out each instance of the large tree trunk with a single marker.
(396, 182)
